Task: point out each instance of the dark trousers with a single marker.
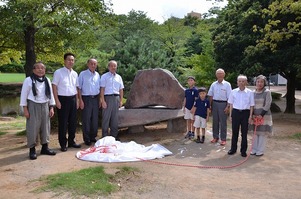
(90, 117)
(110, 116)
(240, 118)
(67, 120)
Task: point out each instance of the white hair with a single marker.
(242, 77)
(220, 70)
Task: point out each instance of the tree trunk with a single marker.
(290, 95)
(30, 55)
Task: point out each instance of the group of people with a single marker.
(68, 92)
(243, 107)
(89, 91)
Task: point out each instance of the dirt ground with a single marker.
(274, 175)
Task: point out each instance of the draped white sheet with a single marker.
(108, 149)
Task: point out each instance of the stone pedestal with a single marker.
(177, 125)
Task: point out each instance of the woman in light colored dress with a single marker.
(263, 100)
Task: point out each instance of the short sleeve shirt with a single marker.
(241, 99)
(201, 107)
(220, 91)
(66, 81)
(89, 83)
(112, 83)
(191, 94)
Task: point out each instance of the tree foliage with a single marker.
(260, 37)
(45, 29)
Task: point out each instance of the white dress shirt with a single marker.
(241, 99)
(66, 81)
(27, 94)
(112, 83)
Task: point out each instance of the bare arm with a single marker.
(56, 98)
(102, 97)
(121, 97)
(81, 102)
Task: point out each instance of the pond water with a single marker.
(9, 105)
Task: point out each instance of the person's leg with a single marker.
(235, 130)
(45, 129)
(223, 121)
(106, 117)
(32, 129)
(244, 131)
(94, 119)
(62, 122)
(114, 116)
(45, 123)
(254, 145)
(215, 120)
(262, 139)
(86, 118)
(72, 122)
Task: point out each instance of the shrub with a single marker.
(276, 96)
(12, 68)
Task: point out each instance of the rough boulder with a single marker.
(155, 87)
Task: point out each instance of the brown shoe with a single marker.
(223, 143)
(215, 140)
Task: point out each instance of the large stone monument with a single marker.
(155, 87)
(155, 95)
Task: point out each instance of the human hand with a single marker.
(58, 105)
(81, 104)
(26, 113)
(51, 112)
(104, 105)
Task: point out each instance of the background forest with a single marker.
(248, 37)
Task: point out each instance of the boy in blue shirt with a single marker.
(191, 94)
(201, 114)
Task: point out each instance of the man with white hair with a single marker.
(219, 94)
(241, 102)
(111, 94)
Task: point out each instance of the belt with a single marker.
(241, 110)
(72, 96)
(220, 101)
(112, 95)
(91, 96)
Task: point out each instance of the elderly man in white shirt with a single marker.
(37, 101)
(242, 103)
(89, 100)
(219, 93)
(64, 85)
(111, 99)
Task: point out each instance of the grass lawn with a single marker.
(14, 77)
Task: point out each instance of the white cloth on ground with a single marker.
(108, 149)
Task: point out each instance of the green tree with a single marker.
(281, 37)
(235, 33)
(44, 29)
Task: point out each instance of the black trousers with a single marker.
(67, 120)
(240, 119)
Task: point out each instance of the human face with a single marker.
(220, 75)
(92, 64)
(112, 67)
(202, 95)
(190, 82)
(241, 82)
(259, 84)
(69, 62)
(39, 70)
